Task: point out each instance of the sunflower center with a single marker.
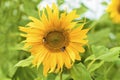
(55, 40)
(119, 9)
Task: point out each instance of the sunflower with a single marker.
(55, 42)
(114, 10)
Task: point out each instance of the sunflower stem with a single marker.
(60, 75)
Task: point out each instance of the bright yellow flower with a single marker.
(114, 10)
(53, 39)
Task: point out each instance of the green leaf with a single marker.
(100, 37)
(51, 76)
(105, 54)
(25, 62)
(64, 77)
(112, 55)
(90, 58)
(99, 50)
(79, 72)
(95, 65)
(82, 9)
(100, 55)
(25, 73)
(96, 52)
(12, 15)
(104, 3)
(40, 76)
(59, 2)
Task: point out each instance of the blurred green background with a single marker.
(104, 38)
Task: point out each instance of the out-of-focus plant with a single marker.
(12, 14)
(101, 60)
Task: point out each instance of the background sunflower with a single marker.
(114, 10)
(100, 60)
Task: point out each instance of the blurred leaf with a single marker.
(99, 50)
(25, 62)
(105, 54)
(82, 9)
(51, 77)
(95, 65)
(108, 71)
(99, 37)
(96, 52)
(30, 7)
(90, 58)
(25, 73)
(12, 15)
(59, 2)
(79, 72)
(112, 55)
(104, 3)
(64, 77)
(40, 76)
(100, 55)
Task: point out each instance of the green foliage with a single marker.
(24, 73)
(104, 3)
(97, 38)
(82, 9)
(59, 2)
(100, 55)
(13, 13)
(101, 60)
(79, 72)
(105, 54)
(25, 62)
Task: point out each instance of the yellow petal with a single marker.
(55, 11)
(71, 16)
(41, 57)
(57, 69)
(53, 62)
(49, 12)
(36, 25)
(46, 69)
(23, 35)
(77, 46)
(76, 40)
(77, 56)
(63, 20)
(60, 59)
(46, 64)
(37, 48)
(39, 54)
(44, 19)
(67, 60)
(56, 22)
(30, 30)
(78, 29)
(30, 44)
(33, 39)
(71, 25)
(34, 19)
(71, 53)
(79, 34)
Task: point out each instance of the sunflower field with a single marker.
(59, 39)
